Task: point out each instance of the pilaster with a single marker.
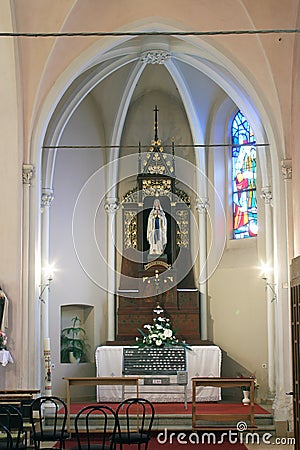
(266, 195)
(27, 174)
(202, 205)
(111, 207)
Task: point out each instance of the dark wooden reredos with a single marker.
(166, 280)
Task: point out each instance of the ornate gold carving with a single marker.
(131, 196)
(156, 167)
(157, 263)
(130, 229)
(182, 237)
(157, 162)
(156, 188)
(183, 196)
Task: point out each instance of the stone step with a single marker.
(264, 422)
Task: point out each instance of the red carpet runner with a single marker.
(178, 408)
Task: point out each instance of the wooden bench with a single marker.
(96, 381)
(227, 417)
(21, 398)
(17, 395)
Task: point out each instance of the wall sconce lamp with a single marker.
(271, 286)
(48, 276)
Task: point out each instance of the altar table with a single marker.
(202, 361)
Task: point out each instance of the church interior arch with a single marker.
(111, 104)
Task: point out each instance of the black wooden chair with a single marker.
(134, 422)
(11, 417)
(95, 427)
(48, 417)
(6, 441)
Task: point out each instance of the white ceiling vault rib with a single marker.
(207, 60)
(66, 108)
(238, 88)
(193, 118)
(133, 78)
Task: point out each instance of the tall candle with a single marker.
(46, 344)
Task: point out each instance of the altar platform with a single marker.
(202, 361)
(173, 416)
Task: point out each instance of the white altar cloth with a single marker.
(5, 357)
(202, 361)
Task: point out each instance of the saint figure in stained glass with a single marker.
(243, 178)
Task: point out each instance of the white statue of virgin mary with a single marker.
(157, 229)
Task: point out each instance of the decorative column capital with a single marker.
(47, 197)
(111, 205)
(202, 205)
(155, 56)
(27, 173)
(286, 169)
(266, 195)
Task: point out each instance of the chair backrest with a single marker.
(48, 416)
(6, 438)
(99, 418)
(11, 417)
(135, 415)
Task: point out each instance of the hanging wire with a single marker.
(105, 147)
(146, 33)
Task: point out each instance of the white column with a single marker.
(46, 200)
(25, 363)
(266, 195)
(283, 403)
(111, 206)
(286, 169)
(202, 205)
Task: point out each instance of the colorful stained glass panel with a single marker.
(243, 178)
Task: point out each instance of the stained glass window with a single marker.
(243, 178)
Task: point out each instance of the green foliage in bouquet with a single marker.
(159, 334)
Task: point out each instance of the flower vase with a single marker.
(246, 398)
(72, 358)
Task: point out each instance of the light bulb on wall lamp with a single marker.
(48, 273)
(265, 271)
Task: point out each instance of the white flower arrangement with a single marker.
(160, 334)
(3, 341)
